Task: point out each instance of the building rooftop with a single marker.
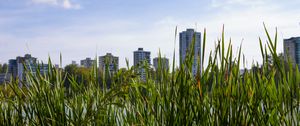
(141, 50)
(292, 38)
(190, 29)
(27, 56)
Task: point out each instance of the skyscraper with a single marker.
(164, 63)
(17, 67)
(139, 57)
(292, 50)
(111, 61)
(87, 63)
(74, 63)
(4, 78)
(185, 41)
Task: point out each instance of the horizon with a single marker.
(78, 29)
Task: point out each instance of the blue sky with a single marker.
(86, 28)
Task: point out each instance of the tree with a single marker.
(80, 74)
(3, 68)
(71, 69)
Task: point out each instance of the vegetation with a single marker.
(80, 74)
(267, 95)
(3, 68)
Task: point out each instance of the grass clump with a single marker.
(222, 95)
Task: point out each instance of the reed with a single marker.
(264, 95)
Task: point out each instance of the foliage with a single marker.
(3, 68)
(80, 74)
(266, 95)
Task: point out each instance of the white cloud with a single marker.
(67, 4)
(53, 2)
(225, 3)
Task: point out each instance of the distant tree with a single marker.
(3, 68)
(71, 69)
(81, 74)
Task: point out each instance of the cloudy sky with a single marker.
(86, 28)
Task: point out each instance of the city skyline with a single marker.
(79, 29)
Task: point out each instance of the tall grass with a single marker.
(267, 95)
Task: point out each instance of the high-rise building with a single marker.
(17, 67)
(164, 63)
(13, 67)
(109, 61)
(4, 78)
(56, 66)
(87, 63)
(185, 41)
(139, 57)
(292, 50)
(74, 63)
